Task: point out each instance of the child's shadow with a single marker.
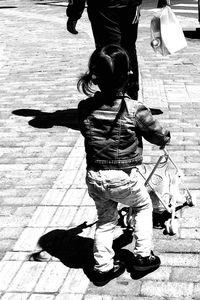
(76, 251)
(72, 250)
(66, 118)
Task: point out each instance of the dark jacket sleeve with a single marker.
(150, 128)
(81, 115)
(75, 9)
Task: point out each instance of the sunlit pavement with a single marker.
(42, 163)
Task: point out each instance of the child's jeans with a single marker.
(108, 188)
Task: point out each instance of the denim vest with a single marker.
(113, 132)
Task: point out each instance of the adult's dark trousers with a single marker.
(114, 25)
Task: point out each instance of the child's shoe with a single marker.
(102, 278)
(146, 263)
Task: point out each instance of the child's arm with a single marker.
(82, 112)
(150, 128)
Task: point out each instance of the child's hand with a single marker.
(162, 147)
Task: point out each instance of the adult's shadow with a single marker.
(66, 118)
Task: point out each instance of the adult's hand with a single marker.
(163, 3)
(71, 26)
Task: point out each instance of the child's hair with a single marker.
(108, 68)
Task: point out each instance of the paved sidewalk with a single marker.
(42, 164)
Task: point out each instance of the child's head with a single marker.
(108, 68)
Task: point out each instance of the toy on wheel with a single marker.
(168, 194)
(126, 218)
(172, 226)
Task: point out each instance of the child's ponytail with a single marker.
(108, 68)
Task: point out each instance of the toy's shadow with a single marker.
(192, 34)
(66, 118)
(76, 251)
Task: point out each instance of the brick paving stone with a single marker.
(8, 271)
(13, 221)
(167, 289)
(11, 233)
(28, 239)
(196, 290)
(76, 282)
(185, 274)
(117, 287)
(85, 214)
(21, 201)
(98, 297)
(41, 297)
(65, 179)
(189, 233)
(183, 260)
(73, 197)
(53, 197)
(15, 296)
(5, 245)
(128, 297)
(42, 216)
(79, 181)
(87, 200)
(16, 255)
(178, 246)
(63, 215)
(69, 296)
(73, 163)
(52, 278)
(163, 274)
(27, 277)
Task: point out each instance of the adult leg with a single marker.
(105, 25)
(129, 32)
(111, 26)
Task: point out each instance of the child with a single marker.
(113, 126)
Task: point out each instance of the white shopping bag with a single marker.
(166, 32)
(156, 39)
